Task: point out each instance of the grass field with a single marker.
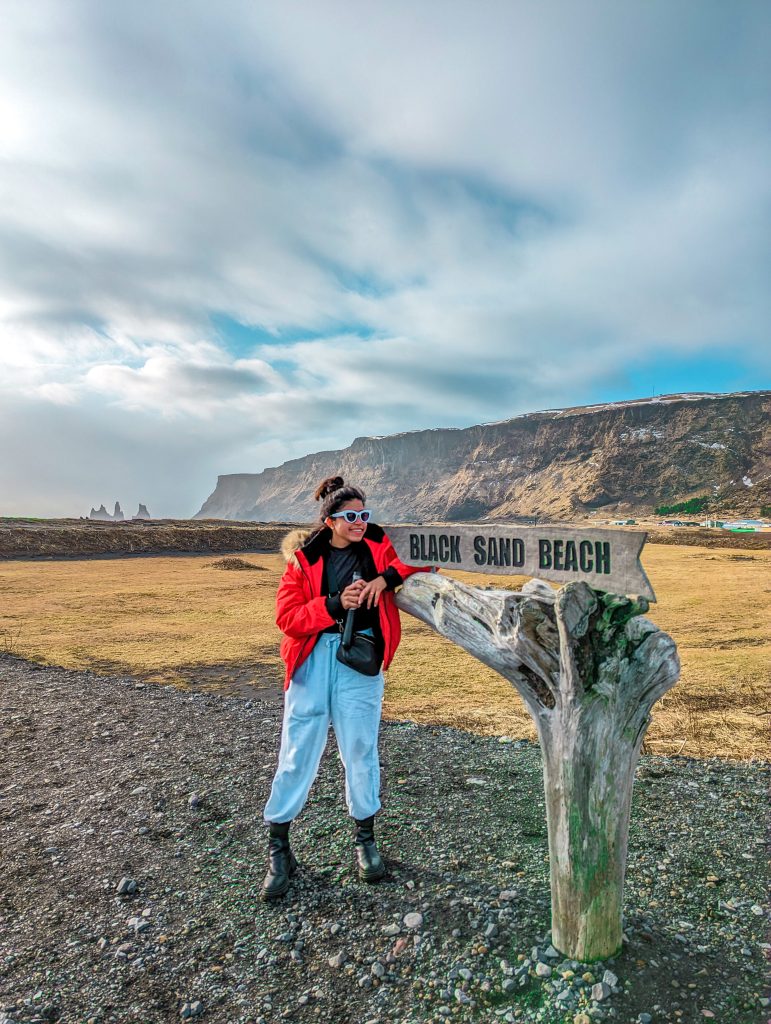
(178, 619)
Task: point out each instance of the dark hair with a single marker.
(332, 493)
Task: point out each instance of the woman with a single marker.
(346, 563)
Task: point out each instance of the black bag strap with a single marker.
(334, 587)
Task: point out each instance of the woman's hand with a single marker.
(370, 592)
(349, 598)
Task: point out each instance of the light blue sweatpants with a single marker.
(323, 690)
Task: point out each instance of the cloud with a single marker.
(197, 388)
(420, 215)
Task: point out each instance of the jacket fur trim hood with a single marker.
(292, 543)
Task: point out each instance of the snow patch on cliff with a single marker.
(642, 434)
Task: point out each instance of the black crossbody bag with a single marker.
(362, 654)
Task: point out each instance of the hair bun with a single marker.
(332, 483)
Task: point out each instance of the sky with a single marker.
(234, 234)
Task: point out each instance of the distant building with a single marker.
(748, 525)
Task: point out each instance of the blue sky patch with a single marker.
(720, 371)
(241, 339)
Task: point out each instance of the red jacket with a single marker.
(301, 611)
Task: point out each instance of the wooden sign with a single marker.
(606, 560)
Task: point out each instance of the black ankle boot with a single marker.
(371, 866)
(281, 862)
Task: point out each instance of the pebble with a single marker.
(542, 970)
(644, 1018)
(600, 991)
(465, 973)
(338, 959)
(413, 920)
(610, 979)
(461, 997)
(582, 1018)
(377, 969)
(126, 887)
(391, 929)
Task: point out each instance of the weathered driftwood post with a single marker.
(589, 668)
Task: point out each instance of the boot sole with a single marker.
(274, 894)
(277, 894)
(371, 879)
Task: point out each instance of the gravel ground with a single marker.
(133, 851)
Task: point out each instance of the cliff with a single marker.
(625, 457)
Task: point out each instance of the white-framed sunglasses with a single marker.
(351, 515)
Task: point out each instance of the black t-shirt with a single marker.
(344, 562)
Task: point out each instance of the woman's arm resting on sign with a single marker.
(397, 572)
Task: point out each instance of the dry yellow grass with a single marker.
(178, 619)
